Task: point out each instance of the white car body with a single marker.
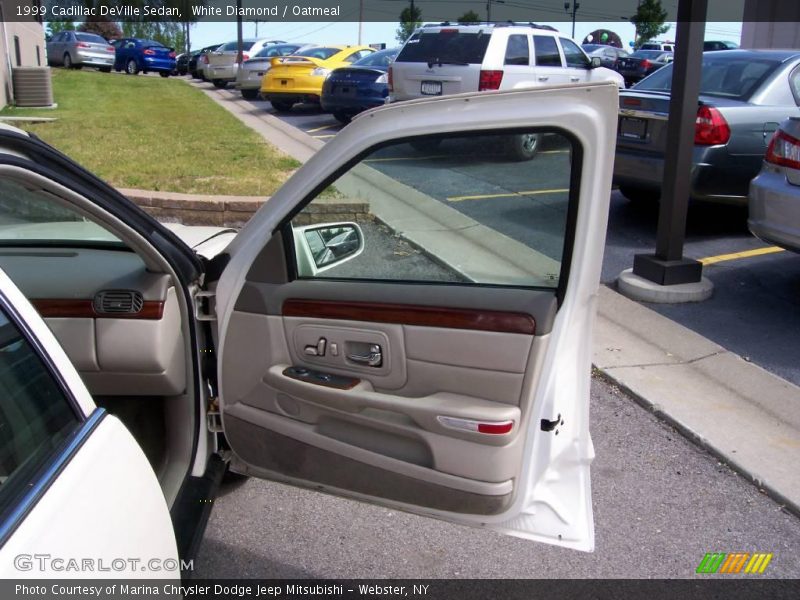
(547, 496)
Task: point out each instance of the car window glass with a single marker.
(546, 51)
(377, 59)
(35, 415)
(446, 45)
(90, 37)
(573, 54)
(517, 51)
(794, 84)
(30, 217)
(476, 193)
(321, 53)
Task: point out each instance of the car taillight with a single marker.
(172, 54)
(710, 127)
(110, 48)
(245, 56)
(784, 150)
(204, 59)
(83, 45)
(490, 80)
(646, 64)
(149, 52)
(391, 81)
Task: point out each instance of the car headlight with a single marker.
(383, 79)
(320, 72)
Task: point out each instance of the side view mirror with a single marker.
(326, 245)
(596, 62)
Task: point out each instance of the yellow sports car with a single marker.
(299, 78)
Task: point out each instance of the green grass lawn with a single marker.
(156, 134)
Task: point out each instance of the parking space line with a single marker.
(406, 158)
(710, 260)
(321, 128)
(506, 195)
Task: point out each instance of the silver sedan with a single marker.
(74, 49)
(250, 74)
(774, 199)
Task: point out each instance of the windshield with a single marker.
(445, 46)
(727, 77)
(377, 59)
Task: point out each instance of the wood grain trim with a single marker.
(412, 314)
(84, 309)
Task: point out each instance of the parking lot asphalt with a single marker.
(754, 309)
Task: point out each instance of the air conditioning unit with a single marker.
(32, 86)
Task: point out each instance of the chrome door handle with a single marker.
(574, 79)
(543, 78)
(373, 358)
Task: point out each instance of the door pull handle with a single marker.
(373, 358)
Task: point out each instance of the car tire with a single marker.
(219, 84)
(104, 69)
(68, 61)
(523, 147)
(164, 74)
(131, 68)
(282, 106)
(249, 94)
(426, 145)
(343, 117)
(639, 195)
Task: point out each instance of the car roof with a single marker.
(774, 54)
(483, 26)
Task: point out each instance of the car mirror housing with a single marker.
(323, 246)
(596, 62)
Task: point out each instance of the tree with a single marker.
(649, 21)
(469, 17)
(107, 29)
(54, 27)
(169, 33)
(410, 19)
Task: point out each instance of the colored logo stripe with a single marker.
(721, 562)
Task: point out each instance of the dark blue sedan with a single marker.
(134, 55)
(362, 85)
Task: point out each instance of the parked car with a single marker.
(660, 46)
(362, 85)
(712, 45)
(196, 62)
(608, 55)
(222, 65)
(642, 63)
(252, 71)
(134, 55)
(182, 63)
(299, 78)
(76, 49)
(743, 95)
(774, 198)
(451, 59)
(441, 398)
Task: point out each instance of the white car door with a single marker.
(446, 369)
(78, 498)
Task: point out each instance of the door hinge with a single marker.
(213, 418)
(204, 306)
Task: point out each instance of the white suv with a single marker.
(451, 59)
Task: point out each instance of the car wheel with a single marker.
(249, 94)
(67, 61)
(219, 83)
(105, 69)
(282, 105)
(523, 147)
(164, 74)
(131, 68)
(343, 117)
(426, 145)
(640, 194)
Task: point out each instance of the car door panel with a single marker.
(460, 417)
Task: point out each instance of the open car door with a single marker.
(445, 369)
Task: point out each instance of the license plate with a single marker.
(260, 73)
(347, 91)
(284, 82)
(633, 128)
(431, 88)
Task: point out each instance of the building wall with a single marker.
(30, 34)
(771, 24)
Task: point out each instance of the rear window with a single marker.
(151, 44)
(377, 59)
(90, 37)
(322, 53)
(735, 78)
(649, 54)
(280, 50)
(445, 46)
(234, 46)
